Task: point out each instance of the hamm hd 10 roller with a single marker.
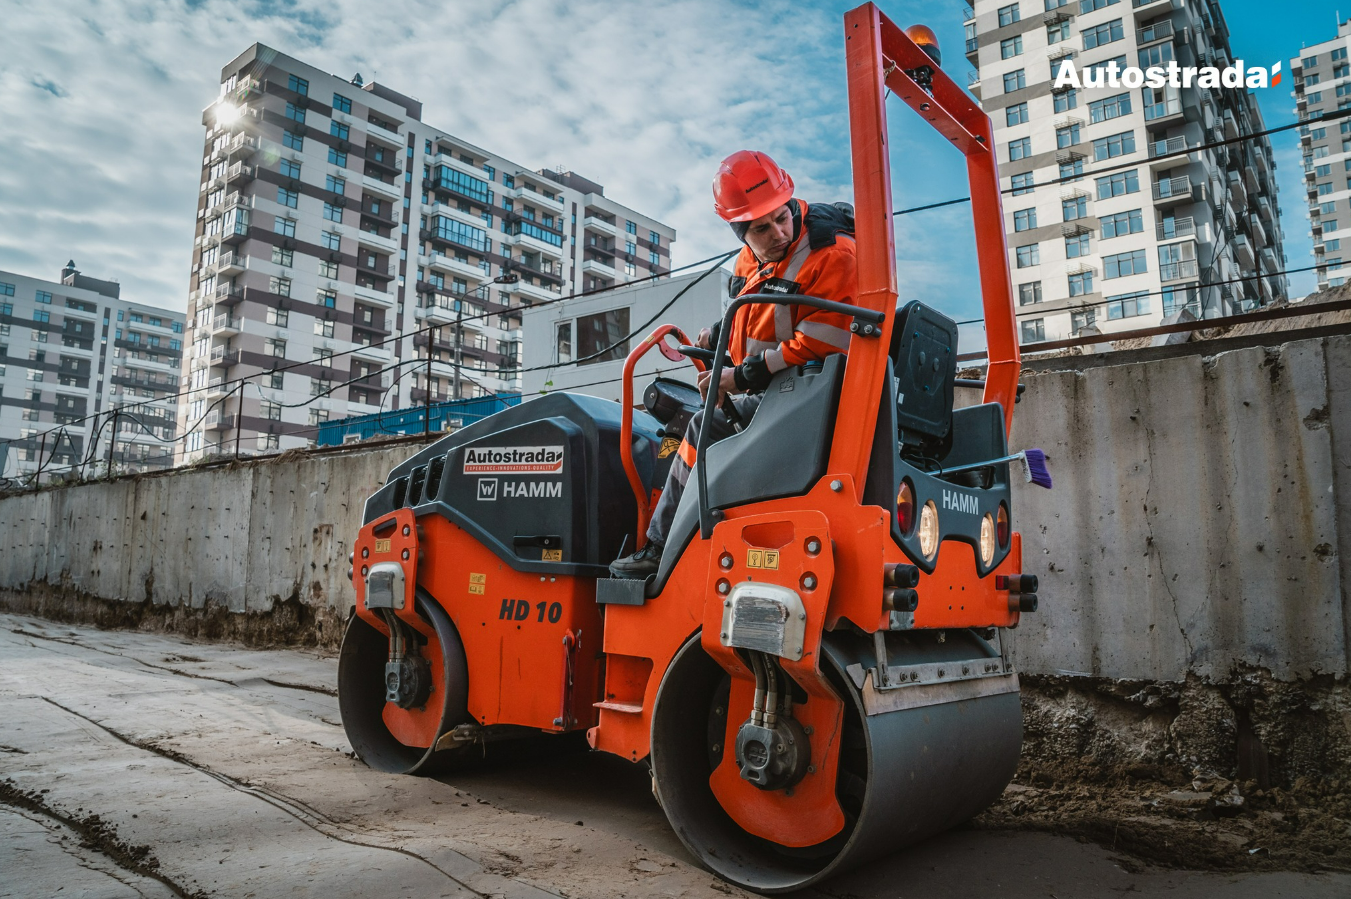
(816, 675)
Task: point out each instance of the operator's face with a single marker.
(769, 235)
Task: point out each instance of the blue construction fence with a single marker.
(457, 413)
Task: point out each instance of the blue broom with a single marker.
(1033, 463)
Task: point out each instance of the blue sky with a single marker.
(102, 112)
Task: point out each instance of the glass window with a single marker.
(602, 331)
(41, 315)
(295, 113)
(1086, 6)
(1123, 264)
(323, 327)
(1011, 47)
(1309, 61)
(1086, 318)
(284, 227)
(1015, 114)
(1058, 32)
(1065, 100)
(1015, 80)
(275, 346)
(279, 286)
(631, 227)
(339, 130)
(332, 213)
(1034, 330)
(458, 232)
(1127, 305)
(458, 182)
(654, 238)
(1029, 294)
(278, 317)
(1081, 283)
(1067, 136)
(1078, 246)
(336, 184)
(563, 342)
(1109, 108)
(292, 141)
(1020, 149)
(1074, 208)
(287, 197)
(331, 240)
(44, 297)
(1105, 33)
(299, 85)
(1022, 184)
(1028, 255)
(327, 298)
(283, 257)
(1024, 219)
(341, 104)
(1073, 169)
(1113, 146)
(1118, 184)
(337, 157)
(1009, 14)
(1122, 223)
(289, 168)
(328, 268)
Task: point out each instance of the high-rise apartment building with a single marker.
(73, 351)
(1128, 247)
(1322, 76)
(339, 235)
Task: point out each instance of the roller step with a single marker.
(626, 708)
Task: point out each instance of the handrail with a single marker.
(656, 339)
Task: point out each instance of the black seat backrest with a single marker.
(924, 358)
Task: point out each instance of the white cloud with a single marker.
(103, 137)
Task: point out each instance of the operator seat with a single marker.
(924, 362)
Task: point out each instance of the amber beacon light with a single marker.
(926, 40)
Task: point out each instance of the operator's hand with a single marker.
(726, 384)
(705, 340)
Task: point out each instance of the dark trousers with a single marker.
(679, 476)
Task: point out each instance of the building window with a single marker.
(1081, 283)
(341, 104)
(1066, 100)
(1127, 305)
(1011, 47)
(1015, 80)
(1118, 184)
(283, 257)
(331, 240)
(654, 258)
(1034, 330)
(1022, 184)
(323, 355)
(1122, 223)
(270, 411)
(603, 331)
(299, 85)
(1324, 189)
(275, 347)
(292, 141)
(1028, 256)
(654, 238)
(1109, 108)
(44, 297)
(284, 227)
(1105, 33)
(563, 342)
(1009, 14)
(41, 315)
(1309, 61)
(1029, 294)
(1073, 170)
(327, 298)
(1016, 114)
(335, 184)
(289, 198)
(6, 290)
(295, 113)
(1123, 264)
(328, 268)
(1058, 32)
(289, 168)
(323, 327)
(1067, 136)
(1020, 148)
(337, 157)
(1113, 146)
(1024, 219)
(1074, 208)
(339, 130)
(279, 286)
(1080, 320)
(332, 213)
(1078, 245)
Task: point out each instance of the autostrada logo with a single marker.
(1112, 74)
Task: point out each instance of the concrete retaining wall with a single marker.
(1200, 523)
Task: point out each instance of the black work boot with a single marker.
(639, 565)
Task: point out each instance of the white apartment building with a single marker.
(71, 353)
(340, 239)
(564, 343)
(1322, 83)
(1131, 246)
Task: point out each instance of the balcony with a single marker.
(1150, 6)
(536, 292)
(1160, 112)
(525, 241)
(1171, 229)
(1259, 234)
(378, 297)
(1264, 208)
(382, 354)
(384, 188)
(236, 227)
(599, 225)
(1243, 251)
(1171, 191)
(968, 14)
(449, 264)
(972, 78)
(227, 295)
(224, 326)
(1155, 31)
(243, 146)
(527, 194)
(1177, 271)
(1166, 149)
(229, 263)
(388, 161)
(437, 313)
(1230, 124)
(596, 267)
(372, 239)
(224, 357)
(1238, 194)
(382, 133)
(219, 387)
(218, 421)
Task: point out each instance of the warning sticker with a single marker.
(668, 446)
(478, 583)
(552, 555)
(762, 558)
(382, 546)
(513, 459)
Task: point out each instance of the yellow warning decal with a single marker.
(552, 555)
(478, 583)
(668, 446)
(762, 558)
(382, 546)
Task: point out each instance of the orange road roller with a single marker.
(818, 672)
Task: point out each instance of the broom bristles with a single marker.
(1034, 468)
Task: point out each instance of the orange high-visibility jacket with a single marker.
(793, 335)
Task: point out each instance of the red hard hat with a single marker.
(748, 185)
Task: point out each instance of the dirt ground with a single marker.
(150, 765)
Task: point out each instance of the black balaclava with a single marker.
(740, 228)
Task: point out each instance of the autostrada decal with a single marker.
(513, 460)
(1113, 74)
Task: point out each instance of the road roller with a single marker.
(819, 672)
